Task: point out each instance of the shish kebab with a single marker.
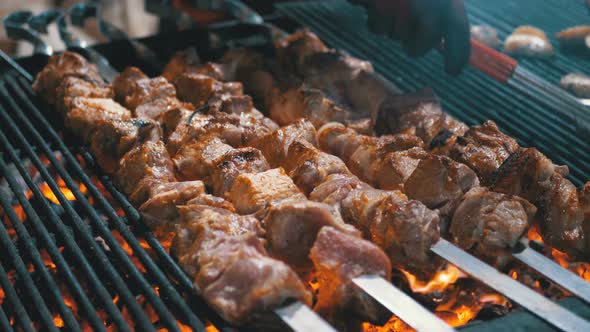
(525, 207)
(143, 167)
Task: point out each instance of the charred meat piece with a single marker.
(186, 61)
(561, 215)
(308, 166)
(488, 223)
(233, 163)
(143, 167)
(72, 87)
(255, 192)
(484, 149)
(338, 258)
(419, 114)
(522, 173)
(197, 89)
(87, 114)
(112, 139)
(295, 48)
(197, 159)
(292, 228)
(160, 212)
(66, 64)
(147, 90)
(154, 109)
(439, 182)
(124, 84)
(395, 168)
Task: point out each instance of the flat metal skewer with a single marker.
(524, 296)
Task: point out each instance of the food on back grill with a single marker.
(293, 49)
(576, 83)
(486, 35)
(58, 68)
(87, 114)
(338, 258)
(489, 223)
(528, 41)
(484, 149)
(574, 37)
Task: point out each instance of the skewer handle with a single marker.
(301, 318)
(497, 65)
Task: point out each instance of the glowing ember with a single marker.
(534, 234)
(209, 327)
(58, 321)
(441, 281)
(393, 325)
(68, 194)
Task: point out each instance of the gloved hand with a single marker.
(421, 25)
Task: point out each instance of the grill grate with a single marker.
(106, 273)
(473, 97)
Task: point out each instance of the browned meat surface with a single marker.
(143, 167)
(160, 212)
(154, 109)
(186, 61)
(124, 84)
(292, 227)
(522, 173)
(275, 145)
(233, 163)
(308, 166)
(484, 148)
(66, 64)
(335, 189)
(295, 48)
(112, 139)
(419, 114)
(584, 197)
(439, 182)
(488, 223)
(87, 114)
(395, 168)
(146, 90)
(197, 89)
(197, 159)
(254, 192)
(71, 87)
(561, 215)
(338, 258)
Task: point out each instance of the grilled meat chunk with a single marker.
(197, 89)
(87, 114)
(395, 168)
(254, 192)
(584, 198)
(59, 67)
(308, 166)
(292, 228)
(338, 258)
(484, 149)
(112, 139)
(133, 88)
(233, 163)
(197, 159)
(72, 86)
(154, 109)
(124, 84)
(335, 188)
(186, 61)
(143, 167)
(439, 182)
(295, 48)
(275, 145)
(488, 223)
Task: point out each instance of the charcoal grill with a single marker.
(105, 269)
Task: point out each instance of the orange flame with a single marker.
(58, 321)
(394, 324)
(441, 281)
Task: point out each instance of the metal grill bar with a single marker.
(165, 285)
(83, 230)
(4, 323)
(18, 310)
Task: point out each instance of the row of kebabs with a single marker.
(166, 154)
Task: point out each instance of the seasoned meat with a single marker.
(143, 167)
(420, 114)
(160, 212)
(154, 109)
(438, 181)
(338, 258)
(197, 89)
(254, 192)
(395, 168)
(584, 198)
(197, 159)
(308, 166)
(212, 201)
(292, 228)
(488, 223)
(561, 215)
(60, 66)
(233, 163)
(275, 145)
(186, 61)
(522, 173)
(484, 149)
(72, 86)
(124, 84)
(335, 189)
(112, 139)
(87, 114)
(295, 48)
